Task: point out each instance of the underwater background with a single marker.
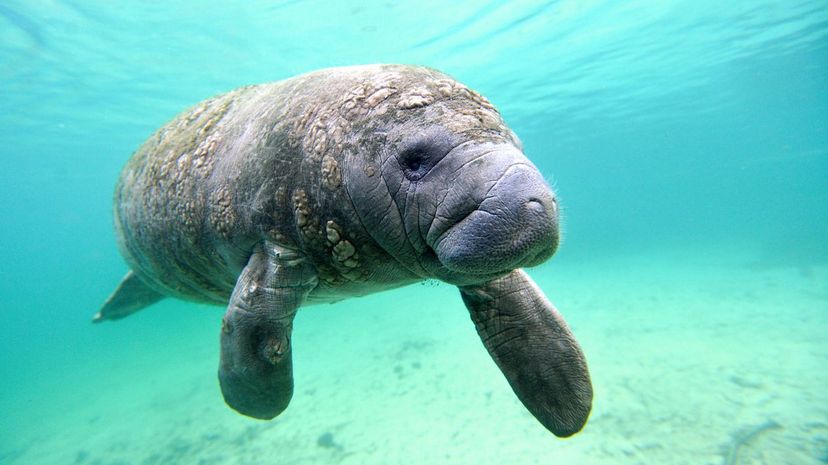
(687, 141)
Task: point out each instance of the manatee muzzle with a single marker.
(515, 225)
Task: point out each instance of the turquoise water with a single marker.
(687, 140)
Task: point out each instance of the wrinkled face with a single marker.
(452, 196)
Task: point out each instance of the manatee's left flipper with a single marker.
(532, 345)
(255, 372)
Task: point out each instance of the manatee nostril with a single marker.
(535, 205)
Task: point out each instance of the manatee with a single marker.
(339, 183)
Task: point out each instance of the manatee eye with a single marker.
(414, 163)
(413, 160)
(418, 154)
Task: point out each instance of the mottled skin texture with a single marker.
(339, 183)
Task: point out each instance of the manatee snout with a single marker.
(512, 221)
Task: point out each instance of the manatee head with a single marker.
(442, 184)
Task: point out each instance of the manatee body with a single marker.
(340, 183)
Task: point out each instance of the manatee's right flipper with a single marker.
(129, 297)
(532, 345)
(256, 372)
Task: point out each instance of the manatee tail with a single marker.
(129, 297)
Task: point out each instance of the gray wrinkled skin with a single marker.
(339, 183)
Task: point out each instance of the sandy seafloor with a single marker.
(690, 353)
